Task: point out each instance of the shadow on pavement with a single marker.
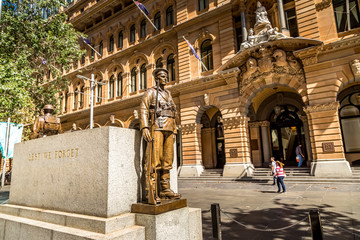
(280, 217)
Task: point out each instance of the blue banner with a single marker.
(15, 137)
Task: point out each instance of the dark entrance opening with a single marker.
(286, 130)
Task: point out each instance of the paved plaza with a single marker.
(262, 210)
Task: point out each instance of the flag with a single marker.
(192, 49)
(142, 7)
(15, 137)
(87, 41)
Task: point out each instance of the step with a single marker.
(78, 221)
(25, 229)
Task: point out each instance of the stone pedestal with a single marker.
(238, 169)
(78, 185)
(334, 168)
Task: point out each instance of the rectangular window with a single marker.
(291, 22)
(346, 14)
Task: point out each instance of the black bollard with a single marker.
(216, 221)
(315, 224)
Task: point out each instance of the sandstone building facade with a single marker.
(250, 103)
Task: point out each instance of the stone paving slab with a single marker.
(259, 206)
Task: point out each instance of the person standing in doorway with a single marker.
(280, 174)
(299, 155)
(273, 169)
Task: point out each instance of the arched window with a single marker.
(207, 55)
(159, 63)
(82, 93)
(349, 113)
(170, 65)
(346, 14)
(133, 80)
(101, 48)
(93, 52)
(111, 43)
(143, 29)
(119, 85)
(75, 98)
(169, 16)
(157, 20)
(143, 76)
(99, 92)
(111, 87)
(120, 39)
(66, 98)
(132, 33)
(203, 4)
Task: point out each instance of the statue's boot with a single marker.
(166, 192)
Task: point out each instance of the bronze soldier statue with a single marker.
(46, 125)
(157, 119)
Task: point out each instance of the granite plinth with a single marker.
(331, 168)
(183, 223)
(164, 206)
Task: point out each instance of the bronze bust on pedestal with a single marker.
(46, 125)
(157, 119)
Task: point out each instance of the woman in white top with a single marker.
(273, 169)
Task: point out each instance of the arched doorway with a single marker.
(278, 124)
(212, 139)
(286, 133)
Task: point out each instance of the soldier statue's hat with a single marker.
(159, 70)
(48, 107)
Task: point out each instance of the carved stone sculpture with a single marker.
(46, 125)
(264, 32)
(355, 67)
(157, 119)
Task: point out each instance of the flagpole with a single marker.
(146, 16)
(202, 64)
(6, 149)
(88, 45)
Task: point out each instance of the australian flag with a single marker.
(87, 41)
(192, 49)
(142, 7)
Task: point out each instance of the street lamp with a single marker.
(92, 87)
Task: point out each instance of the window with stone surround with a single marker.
(159, 63)
(346, 14)
(349, 114)
(111, 87)
(111, 43)
(82, 93)
(207, 55)
(132, 33)
(133, 80)
(157, 20)
(101, 48)
(169, 16)
(143, 77)
(291, 22)
(203, 4)
(143, 29)
(119, 85)
(99, 92)
(66, 99)
(120, 39)
(170, 65)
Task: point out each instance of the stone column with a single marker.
(281, 12)
(307, 139)
(327, 145)
(191, 147)
(265, 137)
(243, 22)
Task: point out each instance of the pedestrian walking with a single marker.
(273, 169)
(280, 174)
(299, 155)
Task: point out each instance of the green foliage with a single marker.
(26, 39)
